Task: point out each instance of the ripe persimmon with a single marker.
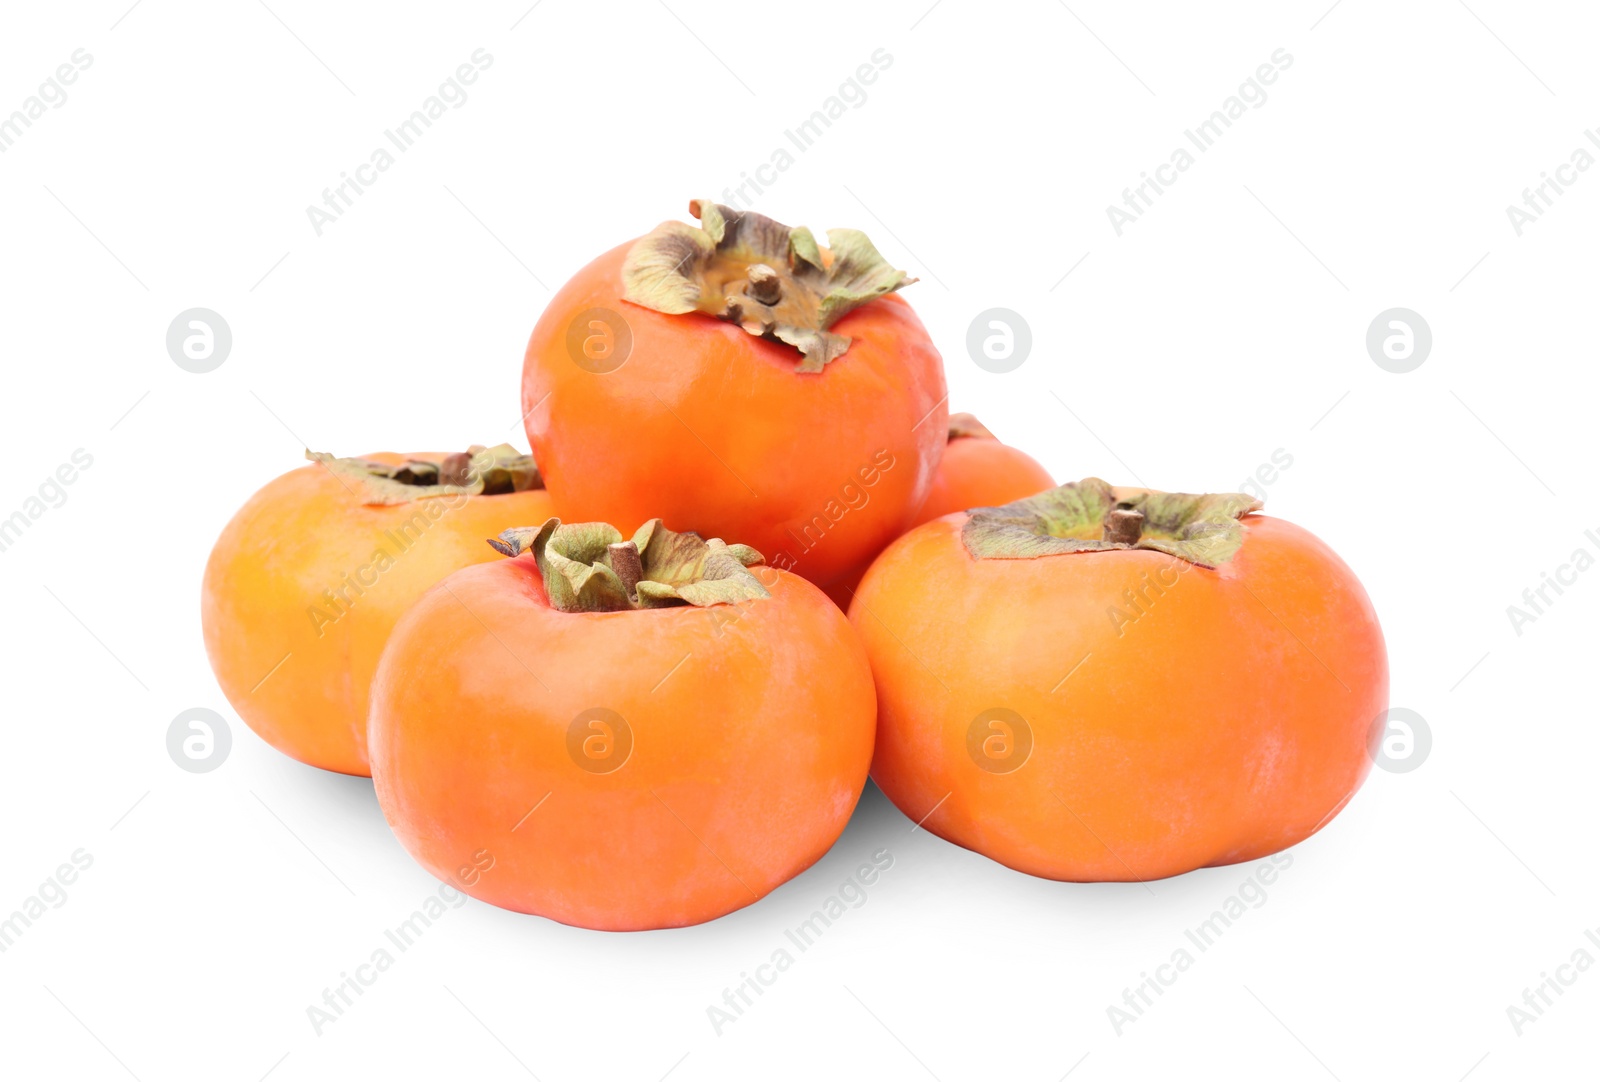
(738, 379)
(1101, 683)
(977, 470)
(307, 580)
(621, 734)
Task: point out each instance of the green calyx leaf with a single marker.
(772, 280)
(479, 471)
(589, 567)
(1092, 516)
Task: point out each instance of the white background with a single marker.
(1227, 323)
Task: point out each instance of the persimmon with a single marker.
(977, 470)
(621, 734)
(1102, 683)
(308, 579)
(738, 379)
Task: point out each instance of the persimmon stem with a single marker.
(626, 563)
(775, 282)
(455, 469)
(477, 471)
(1124, 526)
(765, 286)
(591, 567)
(1205, 530)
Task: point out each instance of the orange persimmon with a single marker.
(307, 580)
(621, 734)
(738, 379)
(977, 470)
(1100, 683)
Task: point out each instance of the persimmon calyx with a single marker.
(964, 426)
(772, 280)
(1092, 516)
(589, 567)
(478, 471)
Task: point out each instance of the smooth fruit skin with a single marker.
(713, 430)
(981, 473)
(264, 609)
(973, 473)
(751, 726)
(1227, 719)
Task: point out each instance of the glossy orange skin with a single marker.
(976, 471)
(980, 472)
(1205, 733)
(752, 728)
(305, 533)
(714, 431)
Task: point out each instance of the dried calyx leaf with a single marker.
(772, 280)
(1092, 516)
(478, 471)
(964, 426)
(589, 567)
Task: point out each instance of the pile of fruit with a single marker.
(750, 558)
